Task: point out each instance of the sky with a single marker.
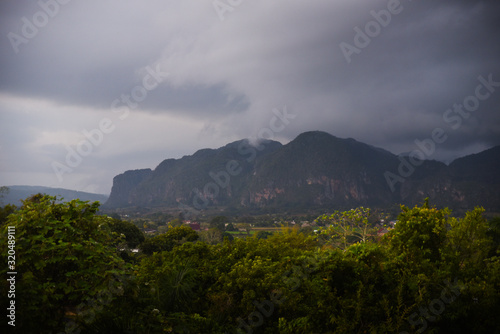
(90, 89)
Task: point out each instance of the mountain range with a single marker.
(315, 170)
(17, 193)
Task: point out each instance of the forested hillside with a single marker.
(80, 272)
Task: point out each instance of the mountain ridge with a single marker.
(17, 193)
(314, 170)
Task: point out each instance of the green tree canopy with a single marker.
(167, 241)
(347, 227)
(65, 256)
(219, 222)
(133, 236)
(420, 233)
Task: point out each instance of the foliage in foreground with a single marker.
(432, 273)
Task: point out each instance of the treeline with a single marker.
(77, 273)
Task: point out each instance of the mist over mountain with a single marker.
(315, 170)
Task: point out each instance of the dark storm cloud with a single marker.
(427, 59)
(225, 77)
(92, 60)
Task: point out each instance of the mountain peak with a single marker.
(314, 135)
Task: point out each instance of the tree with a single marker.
(263, 234)
(230, 227)
(227, 236)
(212, 236)
(175, 223)
(172, 290)
(219, 223)
(167, 241)
(420, 233)
(115, 215)
(5, 212)
(494, 233)
(347, 226)
(467, 243)
(133, 236)
(65, 259)
(443, 261)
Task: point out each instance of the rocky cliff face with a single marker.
(314, 170)
(318, 169)
(124, 186)
(207, 178)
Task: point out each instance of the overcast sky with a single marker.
(150, 80)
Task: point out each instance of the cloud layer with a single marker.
(65, 63)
